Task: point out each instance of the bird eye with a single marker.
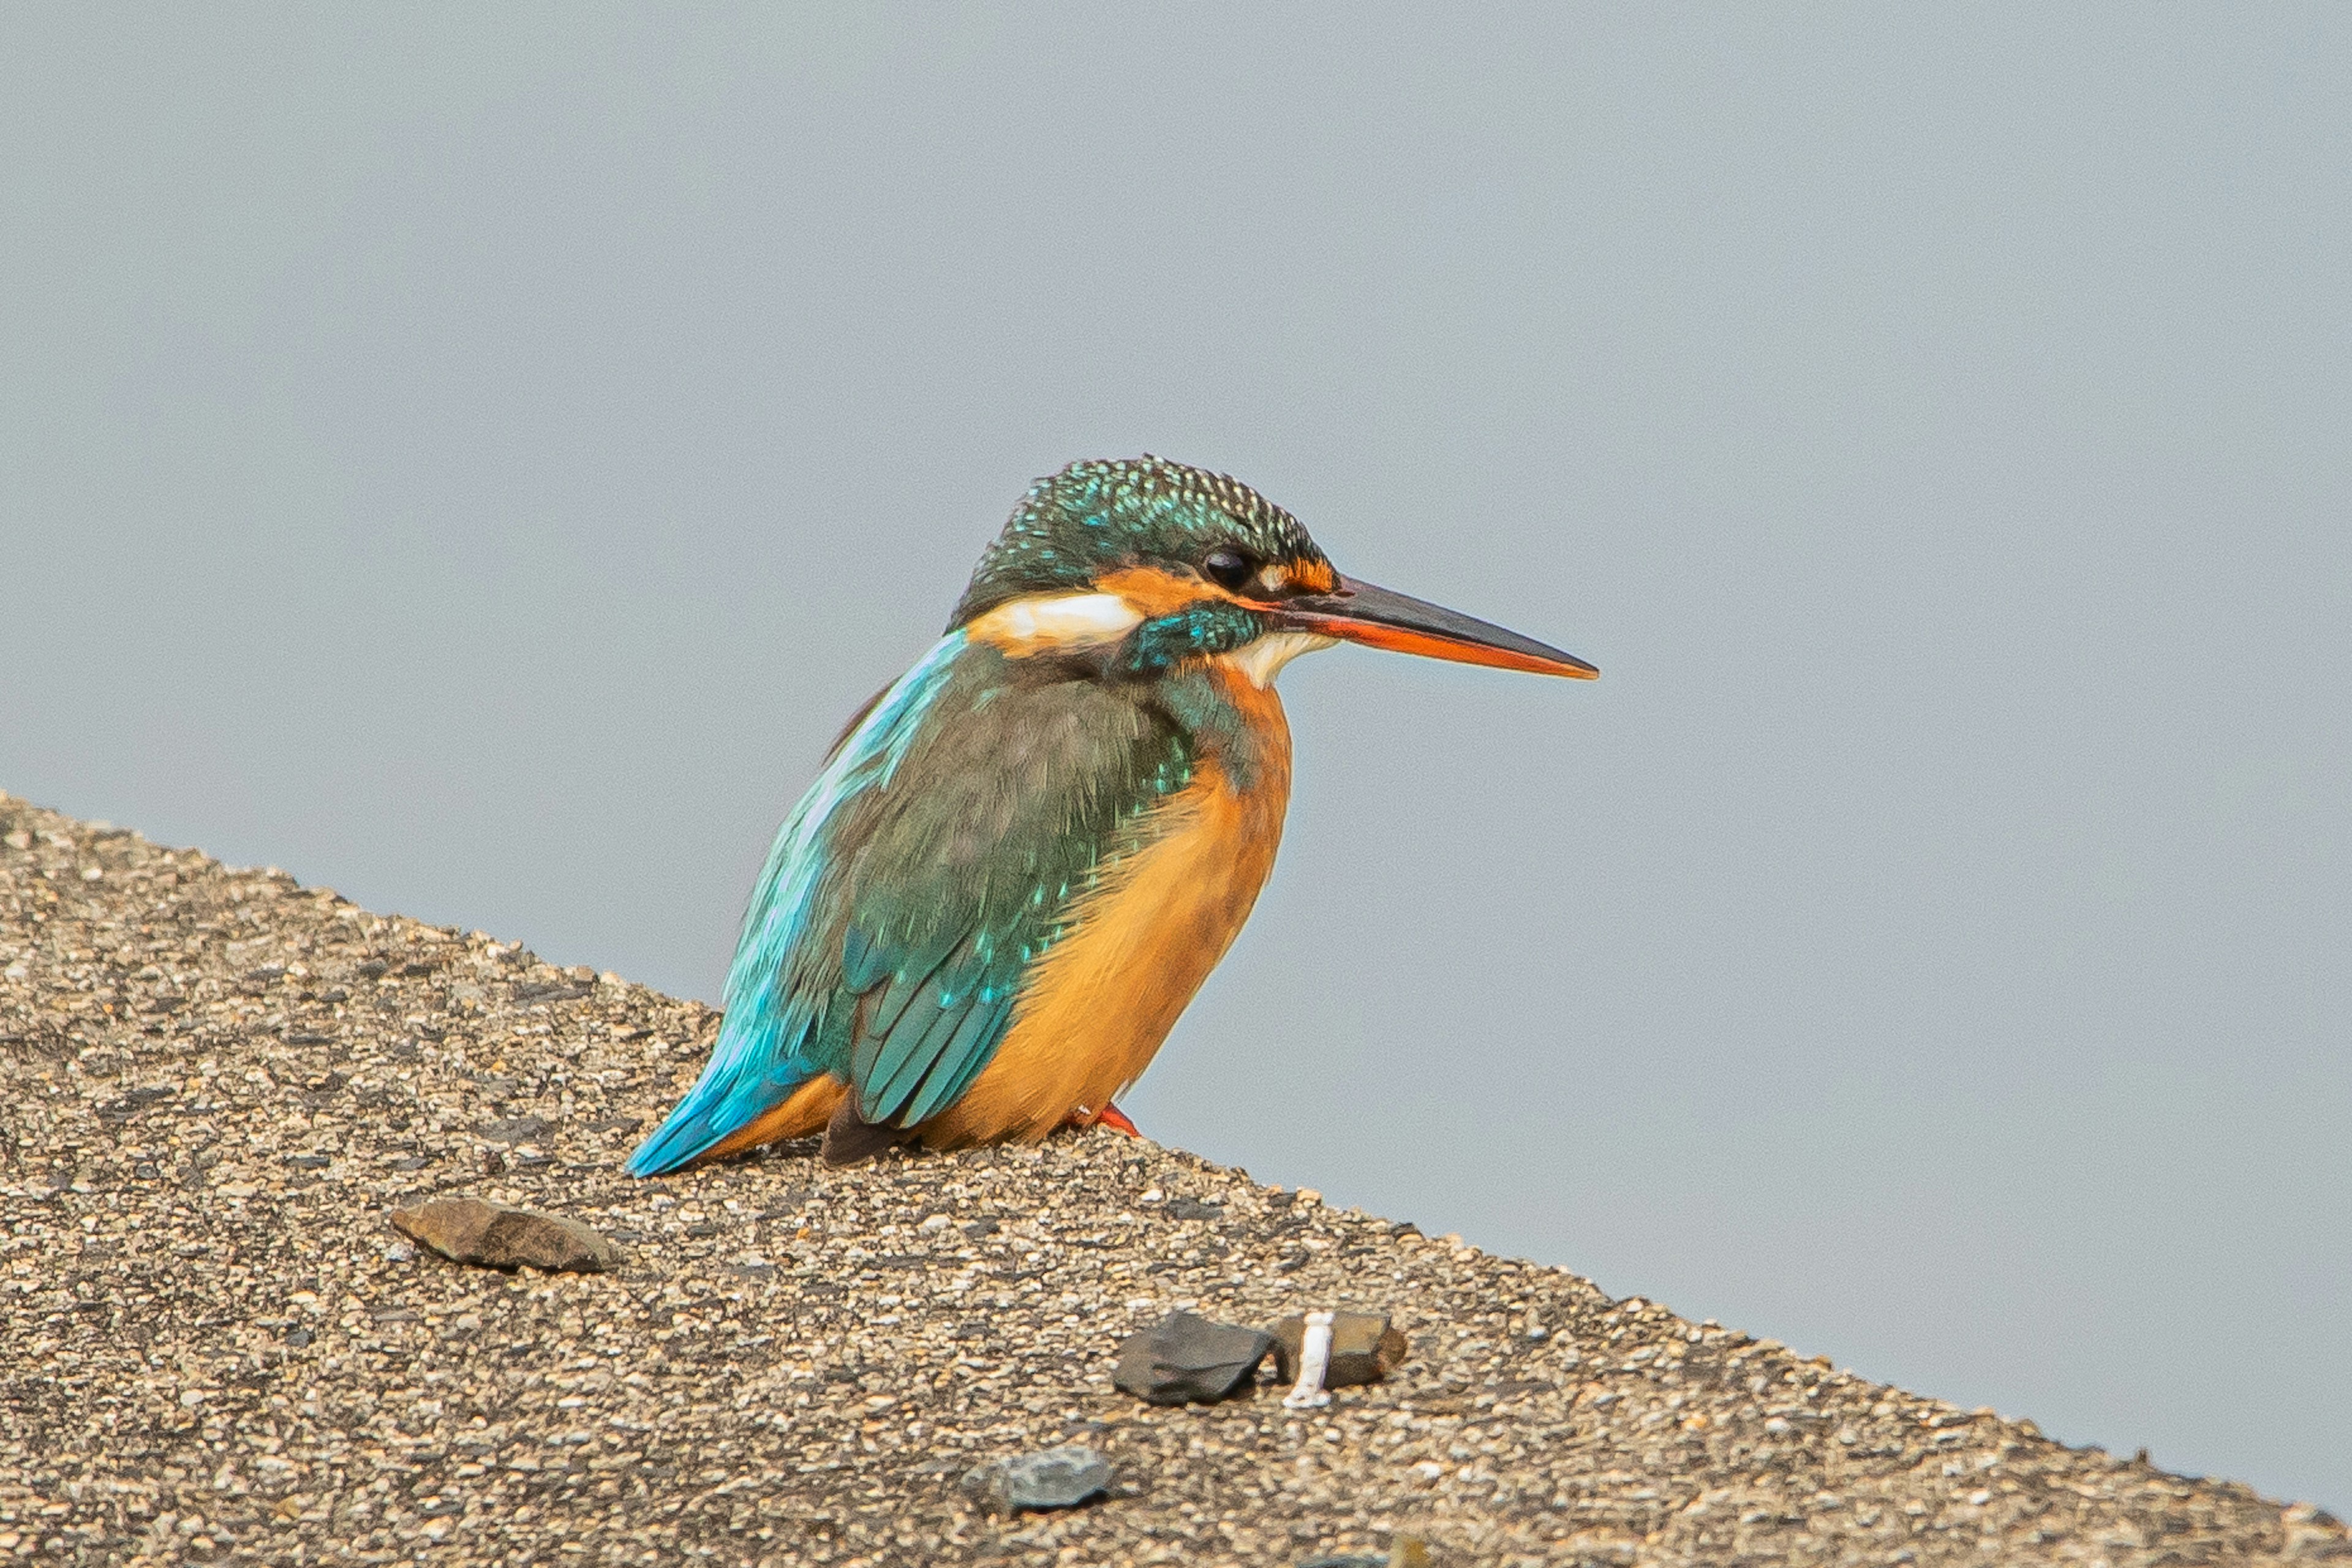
(1228, 569)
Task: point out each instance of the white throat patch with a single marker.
(1262, 659)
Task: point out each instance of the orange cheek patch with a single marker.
(1157, 593)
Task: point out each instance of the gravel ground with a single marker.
(215, 1084)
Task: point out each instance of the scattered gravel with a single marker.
(216, 1086)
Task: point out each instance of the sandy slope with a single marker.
(214, 1083)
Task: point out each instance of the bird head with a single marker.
(1149, 563)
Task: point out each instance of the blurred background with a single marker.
(477, 462)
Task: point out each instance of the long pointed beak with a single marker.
(1379, 618)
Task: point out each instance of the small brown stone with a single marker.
(468, 1230)
(1364, 1349)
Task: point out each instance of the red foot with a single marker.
(1109, 1116)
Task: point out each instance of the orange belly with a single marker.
(1099, 1003)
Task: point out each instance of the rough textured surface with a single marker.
(468, 1230)
(215, 1084)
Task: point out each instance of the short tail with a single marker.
(743, 1082)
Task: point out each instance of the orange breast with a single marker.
(1099, 1005)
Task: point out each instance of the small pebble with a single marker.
(1056, 1478)
(468, 1230)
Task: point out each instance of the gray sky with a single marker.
(476, 464)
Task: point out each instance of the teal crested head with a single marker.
(1141, 564)
(1105, 516)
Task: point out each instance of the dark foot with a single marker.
(850, 1139)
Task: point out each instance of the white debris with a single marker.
(1314, 1359)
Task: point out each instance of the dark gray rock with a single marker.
(1055, 1478)
(468, 1230)
(1183, 1358)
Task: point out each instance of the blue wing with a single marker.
(771, 1040)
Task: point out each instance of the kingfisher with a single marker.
(1023, 857)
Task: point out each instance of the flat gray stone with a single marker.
(1183, 1358)
(515, 1129)
(1055, 1478)
(491, 1236)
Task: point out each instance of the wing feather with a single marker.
(966, 1052)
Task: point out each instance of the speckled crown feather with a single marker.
(1099, 514)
